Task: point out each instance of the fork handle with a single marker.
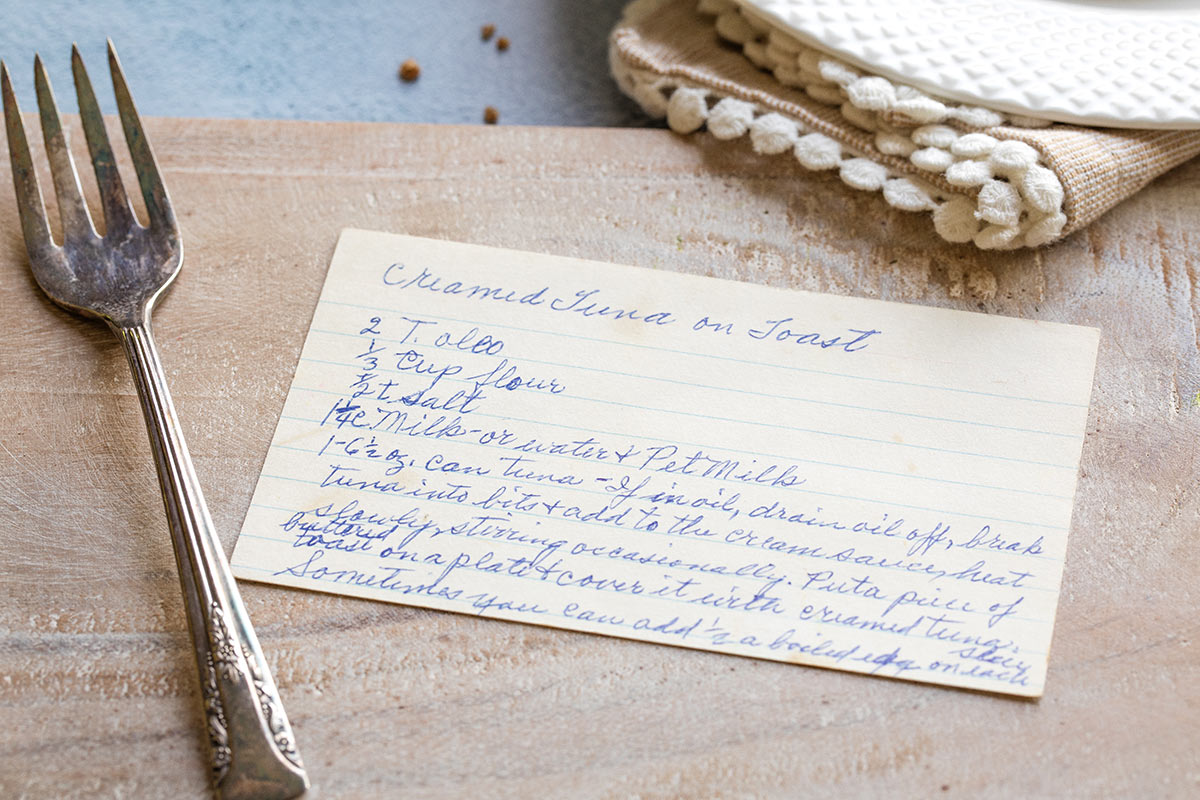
(253, 752)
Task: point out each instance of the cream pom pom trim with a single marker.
(1009, 197)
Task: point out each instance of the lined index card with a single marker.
(829, 481)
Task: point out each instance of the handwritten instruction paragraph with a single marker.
(831, 481)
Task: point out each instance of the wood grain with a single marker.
(98, 695)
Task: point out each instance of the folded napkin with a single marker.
(995, 179)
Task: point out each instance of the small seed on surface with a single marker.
(490, 115)
(410, 70)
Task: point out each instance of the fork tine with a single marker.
(77, 224)
(158, 204)
(30, 207)
(118, 215)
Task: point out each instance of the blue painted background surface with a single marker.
(332, 60)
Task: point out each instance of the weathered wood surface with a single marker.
(98, 695)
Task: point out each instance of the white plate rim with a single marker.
(1164, 93)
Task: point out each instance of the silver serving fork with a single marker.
(117, 278)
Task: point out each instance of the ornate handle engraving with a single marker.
(227, 660)
(218, 735)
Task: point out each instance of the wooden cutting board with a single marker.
(98, 694)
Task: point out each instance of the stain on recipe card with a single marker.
(833, 481)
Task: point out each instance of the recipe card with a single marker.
(830, 481)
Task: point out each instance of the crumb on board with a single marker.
(490, 115)
(487, 31)
(410, 70)
(502, 43)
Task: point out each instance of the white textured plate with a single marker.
(1120, 64)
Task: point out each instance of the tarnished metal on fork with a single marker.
(117, 278)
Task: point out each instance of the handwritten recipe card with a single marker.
(833, 481)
